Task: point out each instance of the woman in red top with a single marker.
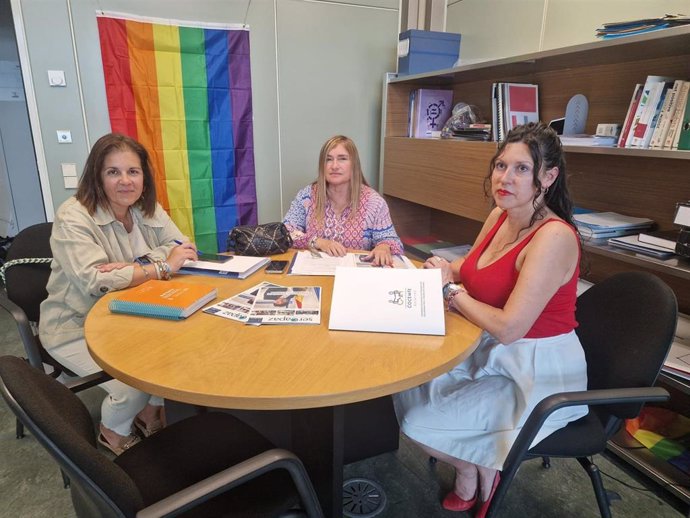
(519, 284)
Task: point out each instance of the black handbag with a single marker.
(259, 240)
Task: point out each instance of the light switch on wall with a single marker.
(69, 169)
(56, 78)
(71, 182)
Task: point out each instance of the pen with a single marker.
(198, 252)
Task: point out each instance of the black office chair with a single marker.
(626, 326)
(208, 465)
(25, 275)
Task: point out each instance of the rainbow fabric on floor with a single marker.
(665, 433)
(185, 94)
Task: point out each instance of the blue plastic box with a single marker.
(425, 51)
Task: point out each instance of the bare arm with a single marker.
(548, 262)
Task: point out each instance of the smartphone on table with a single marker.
(276, 266)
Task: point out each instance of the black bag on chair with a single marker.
(259, 240)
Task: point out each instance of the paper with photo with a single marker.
(238, 306)
(286, 305)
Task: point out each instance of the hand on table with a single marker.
(440, 262)
(332, 248)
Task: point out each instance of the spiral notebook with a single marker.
(172, 300)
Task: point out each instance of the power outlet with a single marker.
(64, 136)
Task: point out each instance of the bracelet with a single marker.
(451, 296)
(163, 271)
(312, 242)
(143, 269)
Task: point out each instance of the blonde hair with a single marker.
(356, 179)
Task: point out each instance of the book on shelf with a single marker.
(639, 124)
(307, 262)
(388, 301)
(661, 238)
(677, 115)
(238, 306)
(642, 132)
(432, 108)
(684, 129)
(641, 26)
(240, 267)
(635, 245)
(663, 120)
(630, 115)
(171, 300)
(286, 305)
(513, 104)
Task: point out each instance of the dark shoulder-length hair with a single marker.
(546, 152)
(91, 193)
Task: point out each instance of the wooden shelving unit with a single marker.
(435, 186)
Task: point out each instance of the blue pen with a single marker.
(199, 252)
(209, 257)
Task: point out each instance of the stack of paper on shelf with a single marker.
(600, 225)
(240, 267)
(678, 360)
(172, 300)
(308, 262)
(633, 244)
(588, 140)
(388, 301)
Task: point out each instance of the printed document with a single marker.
(320, 263)
(388, 300)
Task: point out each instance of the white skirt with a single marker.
(475, 411)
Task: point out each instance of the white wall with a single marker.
(317, 68)
(501, 28)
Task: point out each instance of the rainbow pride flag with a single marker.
(665, 433)
(185, 93)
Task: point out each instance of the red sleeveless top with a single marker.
(494, 283)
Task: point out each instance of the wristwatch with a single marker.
(312, 243)
(449, 290)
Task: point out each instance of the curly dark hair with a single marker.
(546, 152)
(91, 193)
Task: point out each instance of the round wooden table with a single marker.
(215, 362)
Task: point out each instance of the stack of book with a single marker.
(478, 131)
(658, 116)
(513, 104)
(604, 225)
(629, 28)
(429, 110)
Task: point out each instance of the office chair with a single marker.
(208, 465)
(626, 326)
(25, 275)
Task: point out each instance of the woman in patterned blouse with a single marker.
(339, 211)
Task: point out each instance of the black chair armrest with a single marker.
(25, 332)
(234, 476)
(550, 404)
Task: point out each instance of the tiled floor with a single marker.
(30, 483)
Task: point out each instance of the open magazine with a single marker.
(320, 263)
(268, 303)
